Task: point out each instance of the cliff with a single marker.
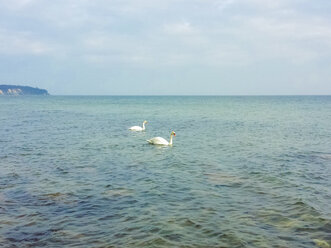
(17, 90)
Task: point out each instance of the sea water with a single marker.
(242, 172)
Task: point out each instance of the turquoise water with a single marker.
(243, 172)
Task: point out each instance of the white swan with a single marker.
(161, 141)
(137, 128)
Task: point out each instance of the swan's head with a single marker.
(173, 133)
(145, 122)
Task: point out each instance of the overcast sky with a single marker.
(182, 47)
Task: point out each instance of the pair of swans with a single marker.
(156, 140)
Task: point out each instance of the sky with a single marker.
(167, 47)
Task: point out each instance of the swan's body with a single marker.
(137, 128)
(161, 141)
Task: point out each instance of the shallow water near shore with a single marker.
(243, 172)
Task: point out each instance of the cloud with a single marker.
(16, 4)
(296, 39)
(180, 28)
(18, 43)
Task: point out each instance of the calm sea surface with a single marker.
(243, 172)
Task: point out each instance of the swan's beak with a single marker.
(174, 134)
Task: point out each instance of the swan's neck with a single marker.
(143, 126)
(170, 142)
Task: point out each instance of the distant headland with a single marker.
(18, 90)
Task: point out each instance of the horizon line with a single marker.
(194, 95)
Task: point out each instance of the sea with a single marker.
(243, 171)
